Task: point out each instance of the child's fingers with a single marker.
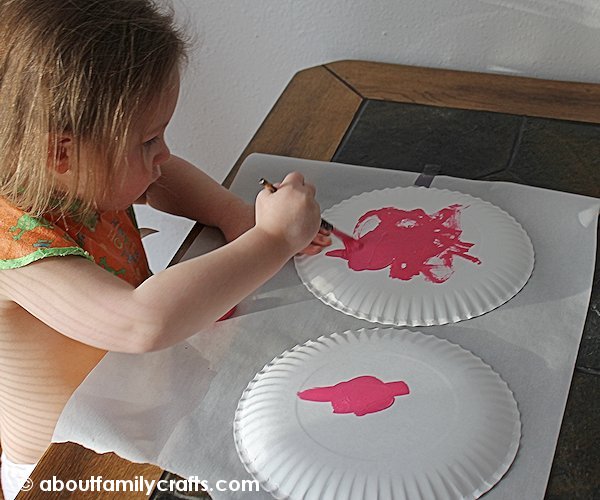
(293, 178)
(311, 250)
(298, 179)
(322, 240)
(317, 244)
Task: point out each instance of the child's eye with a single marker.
(151, 141)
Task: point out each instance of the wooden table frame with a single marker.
(310, 120)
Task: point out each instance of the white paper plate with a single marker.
(454, 436)
(498, 241)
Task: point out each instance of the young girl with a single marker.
(87, 89)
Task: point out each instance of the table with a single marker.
(472, 125)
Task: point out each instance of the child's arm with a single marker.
(82, 301)
(185, 190)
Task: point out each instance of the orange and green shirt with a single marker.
(111, 239)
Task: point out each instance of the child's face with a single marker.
(147, 151)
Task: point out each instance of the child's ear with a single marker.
(60, 152)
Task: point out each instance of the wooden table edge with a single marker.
(501, 93)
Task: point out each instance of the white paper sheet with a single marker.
(174, 408)
(166, 233)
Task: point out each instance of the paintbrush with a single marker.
(328, 226)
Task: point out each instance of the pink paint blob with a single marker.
(410, 242)
(360, 395)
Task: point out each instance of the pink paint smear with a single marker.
(410, 242)
(361, 395)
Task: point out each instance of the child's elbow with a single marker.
(144, 344)
(139, 337)
(150, 340)
(150, 329)
(157, 334)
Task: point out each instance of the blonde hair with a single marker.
(86, 68)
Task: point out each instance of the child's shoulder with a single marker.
(25, 238)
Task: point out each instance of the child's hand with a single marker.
(233, 227)
(319, 242)
(291, 215)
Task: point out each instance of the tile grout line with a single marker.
(350, 129)
(516, 144)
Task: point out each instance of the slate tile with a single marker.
(503, 176)
(575, 471)
(559, 155)
(589, 350)
(468, 144)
